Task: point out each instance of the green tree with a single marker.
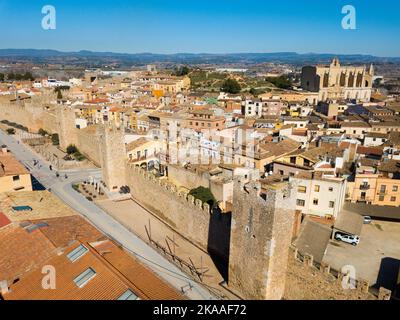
(231, 86)
(55, 139)
(71, 149)
(2, 76)
(10, 131)
(28, 76)
(182, 71)
(42, 132)
(280, 82)
(203, 194)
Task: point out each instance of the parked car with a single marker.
(367, 219)
(353, 240)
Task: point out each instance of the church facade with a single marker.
(336, 82)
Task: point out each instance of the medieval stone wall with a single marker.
(113, 157)
(66, 126)
(190, 179)
(260, 236)
(88, 143)
(34, 115)
(188, 216)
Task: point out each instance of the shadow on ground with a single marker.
(219, 236)
(388, 275)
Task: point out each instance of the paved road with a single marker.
(63, 189)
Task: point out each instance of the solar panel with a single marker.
(22, 208)
(128, 295)
(36, 226)
(84, 277)
(77, 253)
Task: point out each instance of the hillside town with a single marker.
(294, 171)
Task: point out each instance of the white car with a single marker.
(367, 219)
(353, 240)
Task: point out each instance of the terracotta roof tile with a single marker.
(22, 251)
(4, 221)
(116, 272)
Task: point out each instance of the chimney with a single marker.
(4, 287)
(4, 149)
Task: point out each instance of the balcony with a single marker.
(365, 187)
(364, 199)
(382, 192)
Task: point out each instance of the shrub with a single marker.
(55, 139)
(280, 82)
(72, 149)
(203, 194)
(42, 132)
(79, 157)
(231, 86)
(10, 131)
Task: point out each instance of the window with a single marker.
(381, 198)
(393, 199)
(316, 188)
(85, 277)
(77, 253)
(315, 202)
(330, 189)
(128, 295)
(383, 189)
(331, 204)
(15, 178)
(395, 188)
(302, 189)
(300, 203)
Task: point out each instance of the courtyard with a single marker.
(376, 258)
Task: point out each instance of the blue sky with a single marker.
(203, 26)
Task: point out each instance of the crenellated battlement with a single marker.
(171, 189)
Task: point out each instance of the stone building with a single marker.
(336, 82)
(13, 175)
(113, 157)
(261, 231)
(66, 126)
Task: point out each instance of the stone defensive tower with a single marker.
(113, 156)
(261, 232)
(66, 126)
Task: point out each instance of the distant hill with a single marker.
(82, 57)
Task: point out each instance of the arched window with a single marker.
(326, 80)
(351, 80)
(359, 80)
(343, 79)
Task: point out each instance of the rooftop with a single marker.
(101, 271)
(10, 166)
(39, 201)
